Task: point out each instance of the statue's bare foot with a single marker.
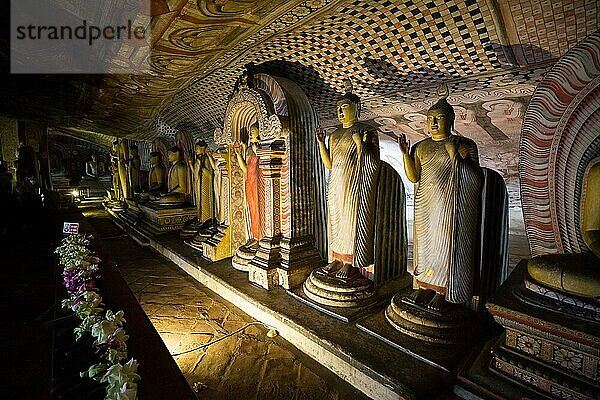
(438, 303)
(419, 296)
(347, 272)
(332, 266)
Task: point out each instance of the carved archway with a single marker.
(294, 210)
(560, 136)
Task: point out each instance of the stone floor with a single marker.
(247, 365)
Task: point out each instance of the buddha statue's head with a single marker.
(174, 154)
(254, 134)
(133, 150)
(94, 159)
(440, 120)
(155, 158)
(115, 146)
(201, 147)
(348, 106)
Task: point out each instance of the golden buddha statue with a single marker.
(117, 193)
(448, 178)
(133, 169)
(202, 185)
(352, 157)
(576, 274)
(203, 182)
(122, 166)
(156, 178)
(177, 181)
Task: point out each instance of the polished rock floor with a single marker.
(246, 365)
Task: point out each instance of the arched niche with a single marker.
(559, 138)
(293, 200)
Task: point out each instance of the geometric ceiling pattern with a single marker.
(396, 52)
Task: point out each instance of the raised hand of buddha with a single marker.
(320, 134)
(403, 143)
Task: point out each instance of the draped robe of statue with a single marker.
(134, 172)
(447, 204)
(218, 190)
(254, 182)
(156, 178)
(114, 167)
(203, 187)
(352, 194)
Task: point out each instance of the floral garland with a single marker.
(80, 271)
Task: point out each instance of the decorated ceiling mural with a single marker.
(396, 52)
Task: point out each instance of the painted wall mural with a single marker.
(561, 134)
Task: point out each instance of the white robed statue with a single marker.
(448, 178)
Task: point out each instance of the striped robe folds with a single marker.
(352, 195)
(446, 224)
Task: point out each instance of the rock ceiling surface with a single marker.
(491, 52)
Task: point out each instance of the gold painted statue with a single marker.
(448, 178)
(177, 181)
(122, 165)
(114, 168)
(576, 274)
(203, 181)
(156, 178)
(202, 185)
(133, 169)
(352, 157)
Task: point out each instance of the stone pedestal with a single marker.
(299, 258)
(217, 247)
(161, 219)
(453, 325)
(549, 346)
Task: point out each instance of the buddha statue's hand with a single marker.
(403, 144)
(320, 134)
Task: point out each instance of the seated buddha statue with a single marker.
(576, 274)
(92, 167)
(156, 178)
(177, 181)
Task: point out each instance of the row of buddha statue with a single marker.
(448, 212)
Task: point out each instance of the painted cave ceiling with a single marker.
(492, 54)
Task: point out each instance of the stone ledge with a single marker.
(370, 365)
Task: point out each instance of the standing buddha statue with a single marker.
(133, 169)
(446, 171)
(352, 158)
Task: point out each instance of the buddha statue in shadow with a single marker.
(448, 178)
(576, 274)
(177, 182)
(157, 175)
(133, 169)
(202, 184)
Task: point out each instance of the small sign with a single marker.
(71, 228)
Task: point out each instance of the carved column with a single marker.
(263, 267)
